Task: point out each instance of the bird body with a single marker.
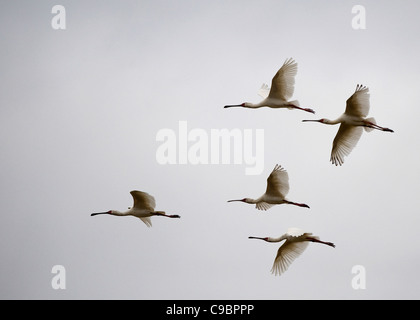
(296, 241)
(271, 103)
(143, 208)
(277, 189)
(282, 88)
(352, 122)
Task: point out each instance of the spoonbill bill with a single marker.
(282, 87)
(277, 189)
(143, 208)
(296, 242)
(353, 121)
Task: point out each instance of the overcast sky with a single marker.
(81, 109)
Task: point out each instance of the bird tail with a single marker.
(294, 103)
(372, 120)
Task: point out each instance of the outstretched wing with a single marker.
(264, 90)
(278, 183)
(147, 221)
(344, 142)
(295, 232)
(283, 83)
(263, 205)
(358, 104)
(286, 254)
(143, 200)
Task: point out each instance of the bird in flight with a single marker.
(296, 242)
(143, 208)
(277, 189)
(282, 87)
(352, 122)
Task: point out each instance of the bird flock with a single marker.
(352, 123)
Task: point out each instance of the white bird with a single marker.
(353, 120)
(143, 208)
(282, 87)
(296, 242)
(277, 189)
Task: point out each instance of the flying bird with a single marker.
(353, 121)
(143, 208)
(296, 242)
(277, 189)
(282, 87)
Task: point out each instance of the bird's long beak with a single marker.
(235, 200)
(233, 105)
(95, 214)
(310, 120)
(259, 238)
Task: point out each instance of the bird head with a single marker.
(107, 212)
(323, 120)
(246, 200)
(245, 104)
(259, 238)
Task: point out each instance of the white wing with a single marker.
(263, 205)
(264, 90)
(358, 104)
(295, 232)
(143, 200)
(147, 221)
(286, 254)
(278, 183)
(283, 83)
(344, 142)
(277, 187)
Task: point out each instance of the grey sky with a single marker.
(81, 107)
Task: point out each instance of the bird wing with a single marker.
(143, 200)
(278, 183)
(286, 254)
(147, 221)
(344, 142)
(358, 104)
(264, 90)
(295, 232)
(263, 205)
(283, 83)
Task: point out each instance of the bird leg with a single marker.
(319, 241)
(163, 214)
(172, 216)
(372, 125)
(297, 204)
(303, 109)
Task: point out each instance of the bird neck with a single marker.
(252, 201)
(119, 213)
(253, 105)
(332, 122)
